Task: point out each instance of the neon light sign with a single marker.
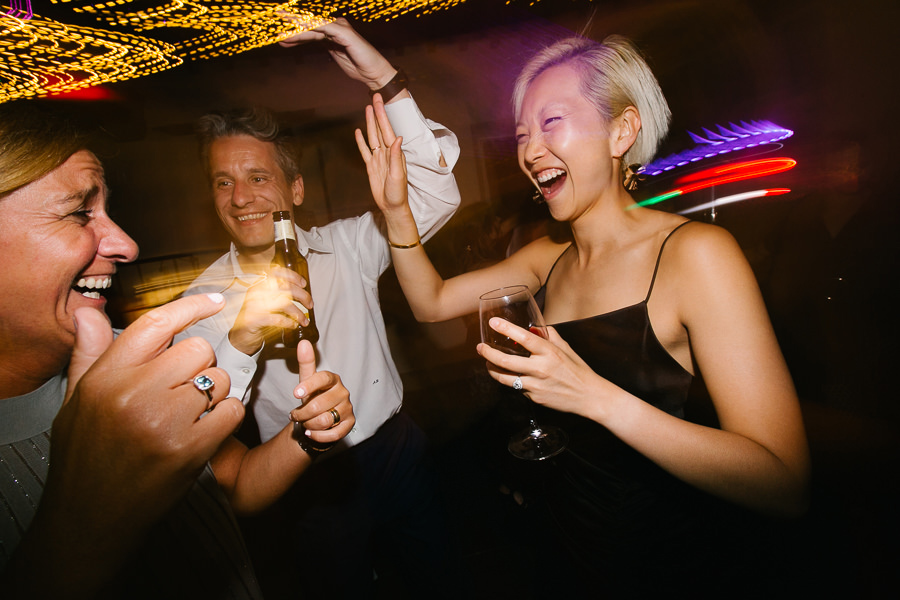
(724, 174)
(747, 135)
(734, 198)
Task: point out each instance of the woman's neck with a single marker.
(23, 374)
(609, 223)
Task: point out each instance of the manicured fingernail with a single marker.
(216, 297)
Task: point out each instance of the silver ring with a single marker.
(336, 416)
(374, 148)
(517, 384)
(204, 383)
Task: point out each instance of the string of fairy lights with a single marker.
(41, 56)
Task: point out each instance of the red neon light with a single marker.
(735, 172)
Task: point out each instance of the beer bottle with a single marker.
(288, 256)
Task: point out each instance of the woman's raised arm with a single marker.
(432, 298)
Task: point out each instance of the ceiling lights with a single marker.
(90, 43)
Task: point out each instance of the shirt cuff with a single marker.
(409, 122)
(240, 367)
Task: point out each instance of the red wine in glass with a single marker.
(517, 305)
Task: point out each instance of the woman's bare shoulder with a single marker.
(542, 249)
(706, 263)
(699, 243)
(538, 257)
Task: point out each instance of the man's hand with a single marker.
(269, 307)
(255, 478)
(357, 57)
(321, 392)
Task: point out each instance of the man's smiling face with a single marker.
(248, 186)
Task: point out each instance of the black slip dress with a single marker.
(623, 524)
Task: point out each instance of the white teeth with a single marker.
(94, 295)
(253, 216)
(549, 174)
(95, 283)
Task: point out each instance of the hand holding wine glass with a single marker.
(516, 305)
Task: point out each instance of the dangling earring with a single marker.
(633, 175)
(538, 197)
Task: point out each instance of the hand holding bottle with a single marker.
(270, 307)
(288, 256)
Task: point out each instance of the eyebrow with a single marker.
(79, 196)
(252, 171)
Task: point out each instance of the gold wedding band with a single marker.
(336, 416)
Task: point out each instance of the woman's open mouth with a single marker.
(90, 287)
(550, 180)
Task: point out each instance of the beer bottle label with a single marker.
(284, 230)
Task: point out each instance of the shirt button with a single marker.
(245, 371)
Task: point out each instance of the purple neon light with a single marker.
(747, 135)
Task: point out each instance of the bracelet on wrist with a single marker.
(308, 445)
(392, 87)
(418, 242)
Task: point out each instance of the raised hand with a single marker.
(132, 408)
(326, 412)
(254, 478)
(356, 57)
(385, 162)
(127, 444)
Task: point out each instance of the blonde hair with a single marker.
(33, 142)
(614, 76)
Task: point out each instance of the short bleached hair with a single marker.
(614, 76)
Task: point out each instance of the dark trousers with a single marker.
(367, 521)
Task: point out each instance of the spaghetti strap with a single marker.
(550, 272)
(659, 258)
(539, 295)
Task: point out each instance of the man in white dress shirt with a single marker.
(377, 487)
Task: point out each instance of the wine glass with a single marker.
(517, 305)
